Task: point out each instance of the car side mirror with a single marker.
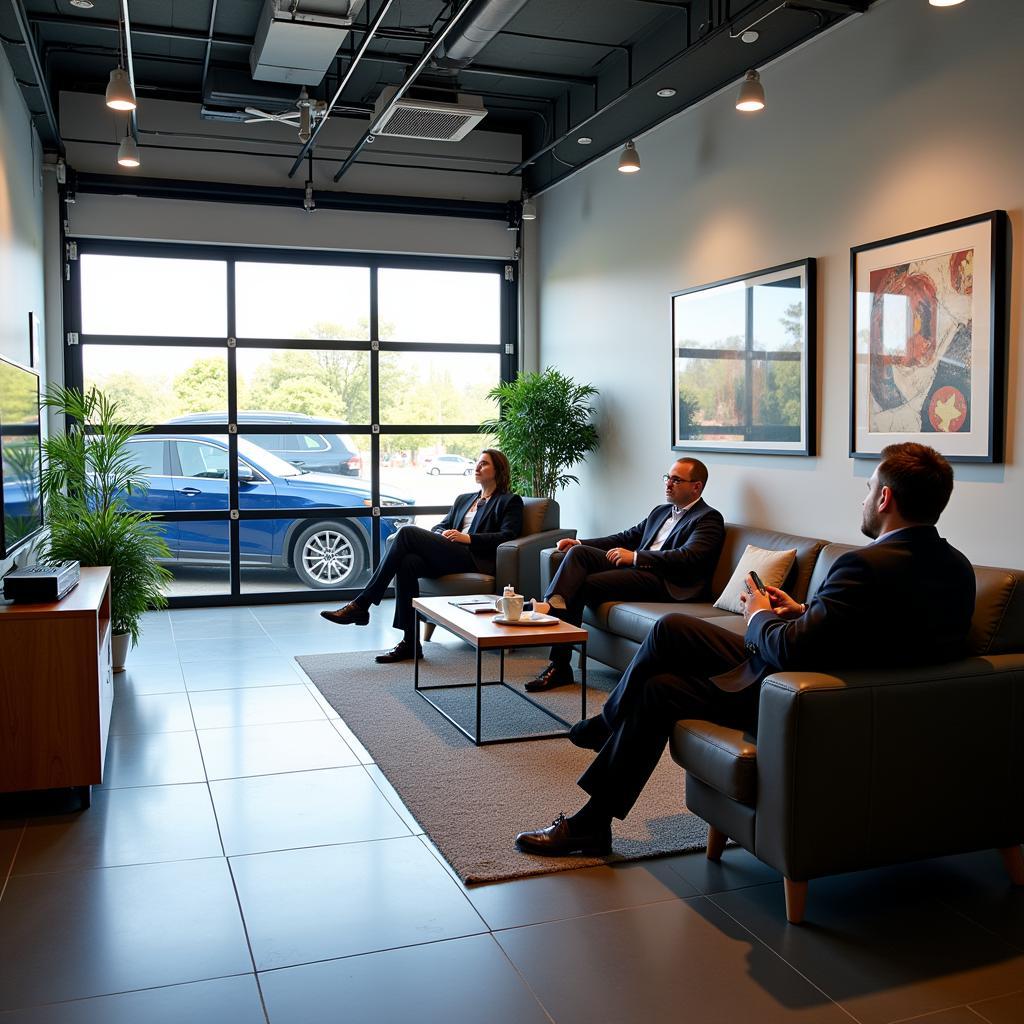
(245, 474)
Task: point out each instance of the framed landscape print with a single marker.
(928, 340)
(743, 366)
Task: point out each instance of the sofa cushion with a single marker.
(737, 537)
(725, 759)
(772, 567)
(538, 513)
(998, 623)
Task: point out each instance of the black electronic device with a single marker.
(41, 584)
(757, 581)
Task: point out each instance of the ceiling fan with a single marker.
(302, 117)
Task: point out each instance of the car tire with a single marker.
(435, 471)
(329, 555)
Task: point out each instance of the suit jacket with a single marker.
(905, 601)
(500, 519)
(689, 555)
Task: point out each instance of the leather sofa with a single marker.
(859, 769)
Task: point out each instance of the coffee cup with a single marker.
(510, 606)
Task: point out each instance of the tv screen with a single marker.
(20, 457)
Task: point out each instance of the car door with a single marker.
(201, 485)
(153, 456)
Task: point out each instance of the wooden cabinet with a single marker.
(56, 689)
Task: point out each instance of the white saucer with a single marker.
(534, 620)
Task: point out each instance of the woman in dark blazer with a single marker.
(466, 540)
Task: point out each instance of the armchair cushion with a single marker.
(725, 759)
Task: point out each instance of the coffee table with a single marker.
(483, 634)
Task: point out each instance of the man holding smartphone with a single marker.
(905, 599)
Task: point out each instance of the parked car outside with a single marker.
(436, 465)
(189, 473)
(315, 451)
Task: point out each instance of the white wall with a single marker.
(903, 118)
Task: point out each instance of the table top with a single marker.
(482, 631)
(82, 601)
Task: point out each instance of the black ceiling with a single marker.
(560, 69)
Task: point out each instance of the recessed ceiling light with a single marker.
(666, 93)
(584, 140)
(750, 36)
(86, 5)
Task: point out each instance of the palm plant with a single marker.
(545, 427)
(87, 471)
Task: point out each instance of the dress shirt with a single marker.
(671, 520)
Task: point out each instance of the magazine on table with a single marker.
(476, 603)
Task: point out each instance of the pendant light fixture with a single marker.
(629, 159)
(128, 153)
(945, 3)
(751, 95)
(529, 208)
(120, 95)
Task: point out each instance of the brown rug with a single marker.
(472, 800)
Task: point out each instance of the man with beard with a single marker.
(905, 599)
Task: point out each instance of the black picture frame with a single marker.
(741, 337)
(928, 340)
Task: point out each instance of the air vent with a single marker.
(414, 118)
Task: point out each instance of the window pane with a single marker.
(146, 296)
(158, 384)
(286, 300)
(342, 455)
(439, 306)
(201, 565)
(320, 385)
(437, 388)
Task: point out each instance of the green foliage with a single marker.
(85, 477)
(545, 428)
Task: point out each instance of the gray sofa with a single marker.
(858, 769)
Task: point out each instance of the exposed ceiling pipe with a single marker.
(404, 87)
(37, 71)
(308, 146)
(133, 121)
(209, 46)
(489, 18)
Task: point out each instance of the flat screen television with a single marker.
(20, 457)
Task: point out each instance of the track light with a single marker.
(751, 96)
(629, 159)
(529, 208)
(119, 91)
(128, 153)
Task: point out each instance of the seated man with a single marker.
(906, 599)
(669, 556)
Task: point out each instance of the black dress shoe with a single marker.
(557, 840)
(556, 674)
(590, 733)
(402, 651)
(350, 614)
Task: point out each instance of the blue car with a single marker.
(189, 473)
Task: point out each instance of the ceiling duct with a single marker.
(296, 40)
(481, 25)
(430, 114)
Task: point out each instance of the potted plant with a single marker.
(87, 471)
(545, 428)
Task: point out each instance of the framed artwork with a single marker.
(928, 340)
(743, 363)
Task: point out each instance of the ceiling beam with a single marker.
(37, 71)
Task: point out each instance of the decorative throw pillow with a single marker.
(772, 566)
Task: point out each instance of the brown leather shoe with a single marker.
(350, 614)
(554, 675)
(557, 840)
(402, 651)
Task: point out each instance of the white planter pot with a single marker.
(120, 644)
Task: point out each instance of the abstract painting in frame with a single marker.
(928, 340)
(743, 363)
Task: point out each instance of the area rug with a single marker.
(471, 801)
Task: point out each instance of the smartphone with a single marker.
(757, 582)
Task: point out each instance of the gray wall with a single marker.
(21, 230)
(897, 120)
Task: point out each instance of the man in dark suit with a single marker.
(466, 540)
(906, 599)
(669, 556)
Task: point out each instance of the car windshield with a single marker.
(265, 460)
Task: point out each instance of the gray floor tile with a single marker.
(283, 812)
(10, 837)
(318, 696)
(142, 679)
(232, 630)
(260, 705)
(461, 981)
(391, 795)
(325, 639)
(1004, 1010)
(155, 712)
(352, 740)
(272, 749)
(239, 673)
(735, 870)
(223, 1001)
(222, 649)
(155, 626)
(665, 962)
(159, 651)
(882, 949)
(335, 901)
(77, 934)
(152, 759)
(124, 826)
(577, 893)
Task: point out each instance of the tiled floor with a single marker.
(245, 861)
